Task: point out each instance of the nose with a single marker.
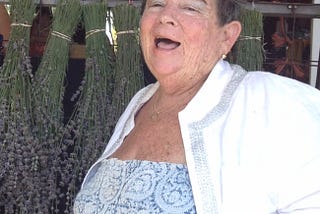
(168, 16)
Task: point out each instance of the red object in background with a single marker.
(41, 27)
(292, 61)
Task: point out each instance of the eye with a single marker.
(193, 6)
(156, 3)
(190, 9)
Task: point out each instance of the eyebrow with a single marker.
(204, 1)
(201, 1)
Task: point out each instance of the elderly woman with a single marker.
(207, 137)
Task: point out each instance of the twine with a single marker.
(61, 35)
(125, 32)
(20, 24)
(259, 38)
(94, 31)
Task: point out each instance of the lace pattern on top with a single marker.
(136, 186)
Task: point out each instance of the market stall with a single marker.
(57, 115)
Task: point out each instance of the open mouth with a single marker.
(166, 44)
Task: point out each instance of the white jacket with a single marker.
(252, 142)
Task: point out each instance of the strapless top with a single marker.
(136, 186)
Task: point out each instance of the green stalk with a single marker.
(94, 105)
(249, 48)
(16, 72)
(128, 72)
(16, 112)
(53, 173)
(51, 72)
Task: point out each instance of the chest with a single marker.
(158, 140)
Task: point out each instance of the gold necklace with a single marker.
(155, 115)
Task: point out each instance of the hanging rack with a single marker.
(283, 9)
(266, 8)
(111, 3)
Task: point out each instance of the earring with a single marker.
(223, 56)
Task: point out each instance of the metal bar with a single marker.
(267, 8)
(318, 74)
(111, 3)
(283, 9)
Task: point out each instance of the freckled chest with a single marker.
(154, 140)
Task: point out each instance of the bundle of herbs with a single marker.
(51, 73)
(93, 110)
(52, 189)
(16, 72)
(17, 143)
(129, 76)
(249, 47)
(20, 153)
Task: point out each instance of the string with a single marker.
(91, 32)
(250, 38)
(125, 32)
(20, 24)
(60, 35)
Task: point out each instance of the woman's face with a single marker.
(181, 38)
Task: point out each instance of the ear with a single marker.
(232, 31)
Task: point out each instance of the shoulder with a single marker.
(271, 92)
(282, 112)
(280, 84)
(276, 89)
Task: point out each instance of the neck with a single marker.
(173, 99)
(175, 91)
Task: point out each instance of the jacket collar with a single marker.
(209, 94)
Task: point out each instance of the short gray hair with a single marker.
(228, 10)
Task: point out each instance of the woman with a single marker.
(208, 137)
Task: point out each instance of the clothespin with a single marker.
(253, 5)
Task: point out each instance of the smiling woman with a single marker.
(207, 137)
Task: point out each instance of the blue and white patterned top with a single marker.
(136, 186)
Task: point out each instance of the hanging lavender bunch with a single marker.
(16, 72)
(17, 142)
(56, 168)
(129, 76)
(94, 106)
(90, 124)
(51, 73)
(249, 51)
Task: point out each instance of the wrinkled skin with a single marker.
(182, 41)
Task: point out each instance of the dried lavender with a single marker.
(42, 160)
(94, 106)
(35, 160)
(16, 112)
(51, 72)
(16, 72)
(55, 160)
(128, 71)
(249, 51)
